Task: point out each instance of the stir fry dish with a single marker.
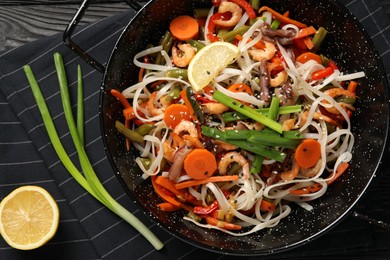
(237, 118)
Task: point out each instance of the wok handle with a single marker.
(67, 36)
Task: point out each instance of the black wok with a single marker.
(347, 43)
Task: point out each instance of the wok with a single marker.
(347, 43)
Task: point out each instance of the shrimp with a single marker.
(267, 53)
(230, 157)
(225, 146)
(280, 78)
(186, 126)
(335, 92)
(182, 54)
(169, 151)
(151, 105)
(311, 172)
(316, 115)
(292, 173)
(214, 108)
(234, 9)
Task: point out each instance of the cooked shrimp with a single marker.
(187, 127)
(234, 9)
(169, 151)
(230, 157)
(316, 115)
(182, 54)
(311, 172)
(279, 79)
(152, 107)
(335, 92)
(267, 53)
(288, 124)
(225, 146)
(292, 173)
(214, 108)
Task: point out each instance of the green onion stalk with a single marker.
(89, 181)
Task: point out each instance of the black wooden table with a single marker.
(30, 31)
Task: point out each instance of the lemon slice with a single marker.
(29, 217)
(209, 62)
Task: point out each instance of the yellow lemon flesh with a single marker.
(209, 62)
(29, 217)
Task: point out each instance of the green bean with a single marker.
(173, 94)
(318, 38)
(130, 134)
(177, 73)
(166, 43)
(196, 44)
(201, 12)
(345, 99)
(275, 24)
(145, 129)
(230, 36)
(255, 4)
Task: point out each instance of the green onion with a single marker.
(263, 150)
(274, 108)
(273, 140)
(80, 104)
(256, 164)
(255, 4)
(245, 110)
(195, 105)
(90, 182)
(234, 116)
(166, 43)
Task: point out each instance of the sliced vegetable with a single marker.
(164, 195)
(246, 110)
(240, 87)
(201, 210)
(177, 73)
(304, 57)
(184, 27)
(267, 206)
(304, 32)
(308, 153)
(168, 207)
(323, 73)
(340, 170)
(257, 164)
(281, 17)
(306, 190)
(274, 108)
(233, 116)
(222, 224)
(130, 134)
(175, 113)
(318, 38)
(200, 164)
(190, 183)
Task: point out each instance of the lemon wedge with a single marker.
(29, 217)
(208, 63)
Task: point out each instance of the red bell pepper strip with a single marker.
(222, 224)
(206, 210)
(216, 3)
(211, 26)
(246, 6)
(323, 73)
(332, 64)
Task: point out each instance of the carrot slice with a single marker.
(304, 57)
(176, 113)
(163, 195)
(190, 183)
(307, 190)
(281, 17)
(200, 164)
(267, 206)
(308, 42)
(352, 86)
(308, 153)
(221, 224)
(125, 103)
(240, 87)
(304, 32)
(184, 27)
(168, 207)
(340, 170)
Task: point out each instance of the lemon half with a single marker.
(209, 62)
(29, 217)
